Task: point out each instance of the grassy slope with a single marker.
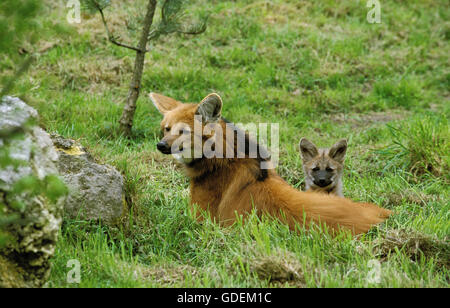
(317, 68)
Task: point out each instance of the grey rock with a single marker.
(25, 261)
(15, 115)
(96, 192)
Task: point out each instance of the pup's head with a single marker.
(322, 167)
(180, 136)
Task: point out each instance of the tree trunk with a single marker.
(126, 120)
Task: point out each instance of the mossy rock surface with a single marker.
(96, 191)
(25, 260)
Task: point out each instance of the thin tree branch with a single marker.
(111, 37)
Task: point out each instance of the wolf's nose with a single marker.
(163, 147)
(323, 183)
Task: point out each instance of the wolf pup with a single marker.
(234, 184)
(323, 167)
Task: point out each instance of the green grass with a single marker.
(316, 68)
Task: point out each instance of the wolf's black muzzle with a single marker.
(163, 147)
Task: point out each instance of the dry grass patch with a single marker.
(94, 74)
(415, 245)
(410, 196)
(166, 274)
(279, 268)
(362, 120)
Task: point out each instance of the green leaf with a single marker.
(54, 188)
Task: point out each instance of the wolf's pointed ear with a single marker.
(338, 150)
(308, 150)
(210, 108)
(163, 103)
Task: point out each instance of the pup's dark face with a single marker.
(323, 174)
(322, 167)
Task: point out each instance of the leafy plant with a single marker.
(17, 21)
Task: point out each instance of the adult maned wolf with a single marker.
(226, 181)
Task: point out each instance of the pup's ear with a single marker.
(210, 108)
(307, 149)
(163, 103)
(338, 150)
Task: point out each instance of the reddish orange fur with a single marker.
(224, 187)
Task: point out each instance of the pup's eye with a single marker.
(316, 169)
(329, 169)
(167, 129)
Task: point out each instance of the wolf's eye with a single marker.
(329, 169)
(316, 169)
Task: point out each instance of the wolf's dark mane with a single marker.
(249, 143)
(210, 165)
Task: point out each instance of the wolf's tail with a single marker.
(336, 213)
